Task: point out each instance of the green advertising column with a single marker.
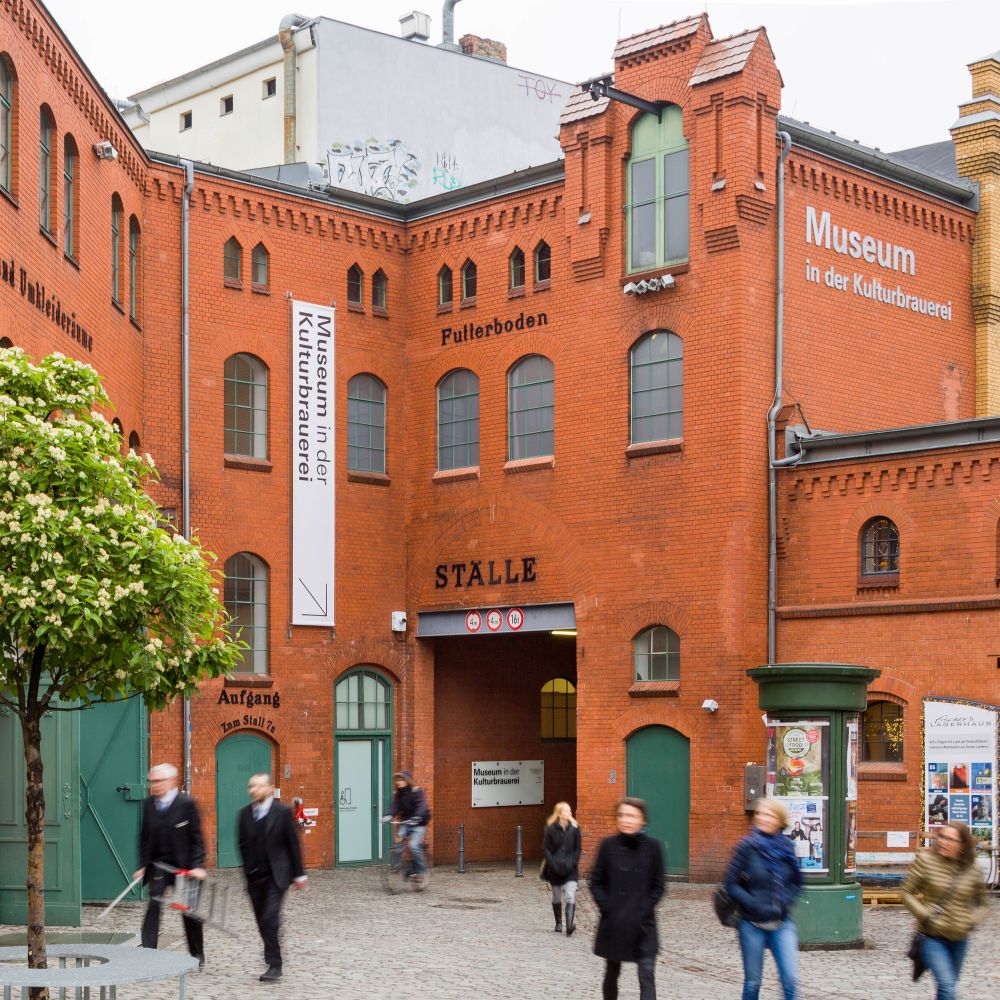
(813, 718)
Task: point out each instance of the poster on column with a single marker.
(312, 460)
(960, 754)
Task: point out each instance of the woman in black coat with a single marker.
(627, 881)
(562, 863)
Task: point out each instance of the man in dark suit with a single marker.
(272, 861)
(170, 834)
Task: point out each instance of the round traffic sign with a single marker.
(494, 619)
(515, 619)
(473, 621)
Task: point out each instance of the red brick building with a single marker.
(547, 404)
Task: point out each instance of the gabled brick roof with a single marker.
(725, 56)
(582, 105)
(658, 36)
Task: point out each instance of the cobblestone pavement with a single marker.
(488, 935)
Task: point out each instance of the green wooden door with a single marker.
(60, 758)
(658, 763)
(236, 759)
(112, 787)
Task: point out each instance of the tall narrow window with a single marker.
(117, 212)
(559, 710)
(444, 286)
(657, 367)
(45, 136)
(246, 601)
(133, 442)
(380, 286)
(245, 406)
(882, 733)
(879, 547)
(355, 285)
(70, 203)
(458, 420)
(232, 262)
(543, 262)
(8, 117)
(260, 261)
(134, 267)
(468, 280)
(366, 424)
(658, 191)
(531, 408)
(658, 655)
(516, 262)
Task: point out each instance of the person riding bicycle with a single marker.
(409, 806)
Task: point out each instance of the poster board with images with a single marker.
(798, 775)
(852, 745)
(960, 766)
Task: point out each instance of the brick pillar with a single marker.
(419, 689)
(977, 153)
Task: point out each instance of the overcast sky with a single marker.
(890, 74)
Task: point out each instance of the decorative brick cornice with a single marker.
(913, 607)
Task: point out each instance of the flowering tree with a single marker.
(96, 600)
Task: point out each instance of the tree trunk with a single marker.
(31, 731)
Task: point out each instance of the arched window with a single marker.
(71, 203)
(879, 547)
(363, 701)
(468, 280)
(134, 264)
(8, 122)
(355, 285)
(119, 430)
(117, 213)
(380, 287)
(658, 191)
(366, 424)
(245, 406)
(246, 604)
(133, 442)
(232, 262)
(444, 286)
(559, 710)
(882, 732)
(46, 166)
(543, 262)
(658, 655)
(516, 262)
(531, 408)
(458, 420)
(657, 368)
(260, 261)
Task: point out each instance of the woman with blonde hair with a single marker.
(561, 868)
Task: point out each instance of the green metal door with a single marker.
(236, 759)
(112, 787)
(60, 758)
(658, 765)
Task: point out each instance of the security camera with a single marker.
(399, 621)
(105, 151)
(653, 285)
(631, 288)
(710, 705)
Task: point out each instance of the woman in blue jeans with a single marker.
(764, 879)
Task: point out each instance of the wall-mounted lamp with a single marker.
(563, 631)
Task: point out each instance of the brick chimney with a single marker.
(488, 48)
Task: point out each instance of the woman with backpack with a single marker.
(561, 868)
(763, 880)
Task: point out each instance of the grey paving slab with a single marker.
(488, 935)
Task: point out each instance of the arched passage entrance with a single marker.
(658, 768)
(237, 757)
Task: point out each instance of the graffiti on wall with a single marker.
(380, 168)
(535, 86)
(445, 173)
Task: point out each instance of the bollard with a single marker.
(519, 855)
(461, 848)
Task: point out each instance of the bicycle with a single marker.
(398, 875)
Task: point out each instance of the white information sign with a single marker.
(313, 468)
(508, 783)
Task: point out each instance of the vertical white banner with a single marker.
(313, 464)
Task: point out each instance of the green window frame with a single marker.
(260, 263)
(362, 703)
(657, 655)
(517, 269)
(458, 420)
(245, 389)
(355, 285)
(134, 236)
(45, 129)
(531, 408)
(543, 262)
(658, 182)
(246, 600)
(380, 289)
(232, 260)
(558, 709)
(879, 547)
(445, 286)
(656, 364)
(7, 117)
(69, 196)
(117, 211)
(366, 424)
(469, 280)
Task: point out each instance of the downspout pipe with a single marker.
(448, 24)
(188, 168)
(286, 36)
(772, 414)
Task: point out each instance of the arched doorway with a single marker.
(237, 757)
(658, 769)
(363, 759)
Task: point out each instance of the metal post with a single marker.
(461, 848)
(519, 854)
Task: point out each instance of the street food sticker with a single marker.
(473, 621)
(494, 619)
(515, 619)
(795, 742)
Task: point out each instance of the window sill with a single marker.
(48, 236)
(654, 448)
(655, 689)
(542, 286)
(468, 303)
(260, 289)
(135, 323)
(71, 260)
(372, 478)
(656, 272)
(445, 307)
(118, 306)
(246, 463)
(877, 770)
(516, 292)
(355, 307)
(880, 581)
(10, 197)
(248, 681)
(530, 464)
(380, 311)
(456, 475)
(233, 283)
